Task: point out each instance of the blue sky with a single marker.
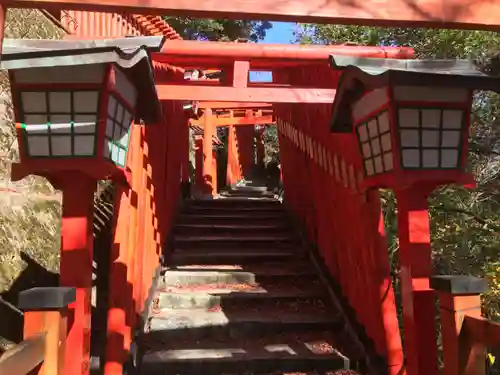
(281, 33)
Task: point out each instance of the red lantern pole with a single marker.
(416, 269)
(76, 264)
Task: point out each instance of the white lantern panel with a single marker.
(383, 122)
(60, 101)
(119, 114)
(375, 144)
(122, 156)
(411, 158)
(125, 88)
(377, 161)
(109, 128)
(85, 128)
(367, 152)
(112, 103)
(408, 118)
(60, 119)
(363, 133)
(430, 138)
(373, 128)
(35, 119)
(61, 145)
(114, 153)
(430, 158)
(369, 167)
(86, 101)
(431, 118)
(388, 162)
(127, 121)
(117, 133)
(124, 140)
(449, 158)
(452, 119)
(84, 145)
(107, 149)
(79, 118)
(450, 138)
(410, 138)
(37, 129)
(38, 146)
(385, 141)
(34, 102)
(60, 128)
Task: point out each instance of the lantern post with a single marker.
(74, 106)
(411, 119)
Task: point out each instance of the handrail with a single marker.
(479, 330)
(24, 357)
(466, 334)
(44, 333)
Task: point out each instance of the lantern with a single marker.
(410, 117)
(78, 114)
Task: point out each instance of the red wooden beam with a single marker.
(232, 105)
(260, 56)
(249, 94)
(227, 121)
(470, 14)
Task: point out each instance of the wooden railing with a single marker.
(45, 328)
(466, 334)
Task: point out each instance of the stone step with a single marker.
(247, 358)
(231, 256)
(187, 299)
(237, 202)
(196, 277)
(267, 269)
(234, 237)
(238, 229)
(192, 324)
(222, 208)
(241, 219)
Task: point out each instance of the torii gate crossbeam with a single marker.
(465, 14)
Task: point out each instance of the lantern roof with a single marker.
(131, 54)
(364, 74)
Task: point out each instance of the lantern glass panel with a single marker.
(117, 132)
(430, 138)
(59, 123)
(374, 137)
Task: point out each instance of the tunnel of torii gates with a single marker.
(330, 180)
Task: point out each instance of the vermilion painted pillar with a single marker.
(416, 269)
(76, 265)
(214, 173)
(393, 345)
(120, 294)
(208, 133)
(245, 136)
(184, 149)
(233, 173)
(199, 163)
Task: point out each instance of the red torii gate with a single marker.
(283, 90)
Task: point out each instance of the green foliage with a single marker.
(221, 30)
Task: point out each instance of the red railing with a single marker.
(143, 216)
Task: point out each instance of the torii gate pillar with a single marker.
(245, 137)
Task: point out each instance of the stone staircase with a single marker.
(240, 296)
